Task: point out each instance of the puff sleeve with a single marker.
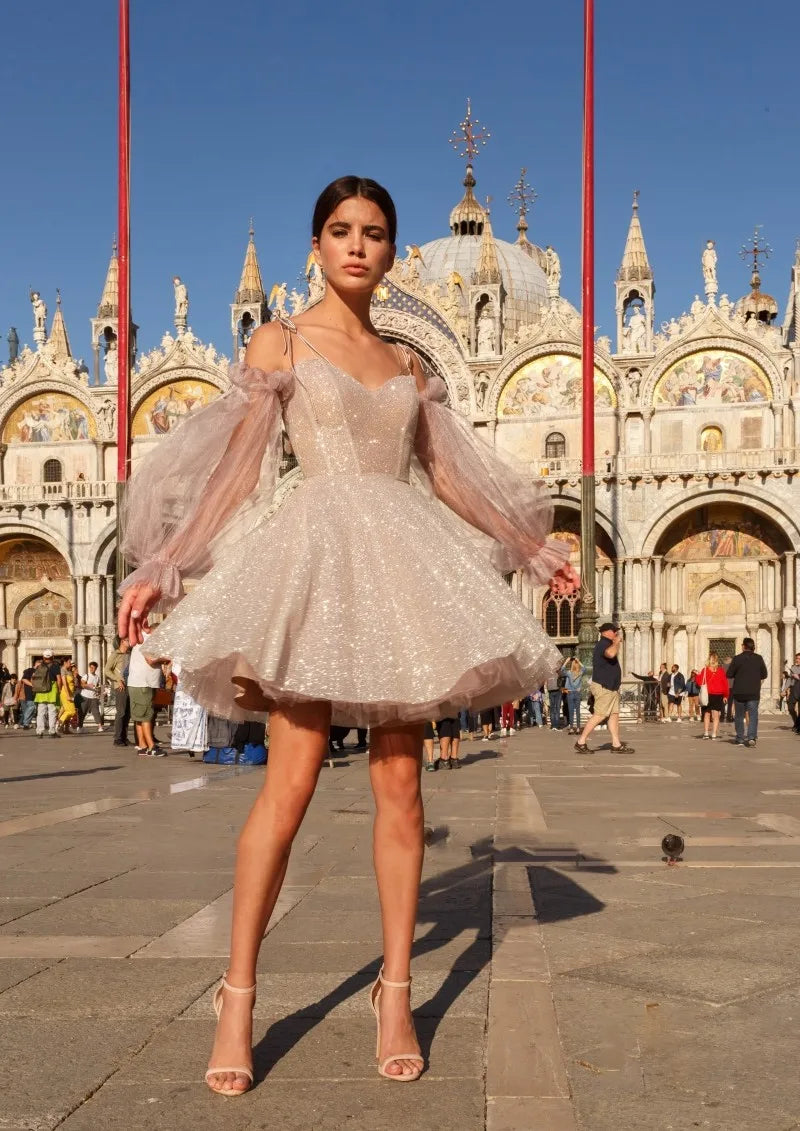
(191, 488)
(486, 491)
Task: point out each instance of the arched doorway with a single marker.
(727, 573)
(36, 610)
(559, 613)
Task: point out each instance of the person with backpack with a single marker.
(46, 683)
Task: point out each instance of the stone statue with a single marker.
(13, 345)
(112, 363)
(412, 261)
(635, 381)
(710, 269)
(637, 330)
(697, 307)
(725, 305)
(487, 339)
(553, 271)
(181, 303)
(279, 295)
(106, 410)
(39, 311)
(481, 385)
(604, 343)
(297, 300)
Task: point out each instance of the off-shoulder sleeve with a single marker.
(486, 490)
(189, 489)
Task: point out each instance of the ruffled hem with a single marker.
(243, 695)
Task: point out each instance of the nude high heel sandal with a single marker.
(240, 1070)
(374, 998)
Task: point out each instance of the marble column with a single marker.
(789, 593)
(3, 450)
(109, 605)
(95, 650)
(94, 612)
(777, 426)
(657, 560)
(647, 417)
(99, 460)
(628, 575)
(82, 656)
(3, 604)
(619, 586)
(691, 631)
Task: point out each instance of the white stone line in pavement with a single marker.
(58, 816)
(526, 1079)
(207, 933)
(781, 792)
(780, 822)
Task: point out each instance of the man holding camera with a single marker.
(604, 688)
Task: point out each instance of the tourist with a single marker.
(428, 749)
(604, 688)
(663, 687)
(448, 730)
(8, 701)
(554, 690)
(357, 633)
(507, 719)
(116, 671)
(487, 723)
(46, 683)
(793, 696)
(143, 679)
(713, 679)
(693, 695)
(573, 677)
(27, 709)
(537, 704)
(90, 696)
(650, 691)
(677, 689)
(746, 673)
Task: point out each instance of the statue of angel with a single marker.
(278, 295)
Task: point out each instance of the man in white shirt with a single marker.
(143, 679)
(90, 694)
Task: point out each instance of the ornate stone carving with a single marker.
(181, 304)
(446, 357)
(709, 261)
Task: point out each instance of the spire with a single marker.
(467, 217)
(251, 289)
(635, 266)
(109, 303)
(522, 197)
(58, 333)
(488, 269)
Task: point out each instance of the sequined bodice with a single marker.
(337, 426)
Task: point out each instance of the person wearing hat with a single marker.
(46, 681)
(604, 688)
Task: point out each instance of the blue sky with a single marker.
(250, 109)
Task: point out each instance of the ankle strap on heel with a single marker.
(394, 985)
(237, 989)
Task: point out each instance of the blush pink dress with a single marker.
(362, 589)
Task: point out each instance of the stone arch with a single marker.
(777, 516)
(718, 583)
(186, 389)
(34, 529)
(685, 349)
(44, 613)
(617, 542)
(101, 558)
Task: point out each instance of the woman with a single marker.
(68, 715)
(693, 695)
(507, 719)
(8, 701)
(573, 675)
(714, 679)
(346, 599)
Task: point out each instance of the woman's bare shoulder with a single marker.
(267, 348)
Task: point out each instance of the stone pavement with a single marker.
(636, 995)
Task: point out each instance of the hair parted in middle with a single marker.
(345, 188)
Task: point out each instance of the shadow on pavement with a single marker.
(59, 774)
(451, 903)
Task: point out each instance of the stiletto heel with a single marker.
(240, 1070)
(374, 999)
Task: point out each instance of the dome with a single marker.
(524, 281)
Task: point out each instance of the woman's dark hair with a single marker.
(345, 188)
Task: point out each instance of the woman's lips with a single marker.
(355, 269)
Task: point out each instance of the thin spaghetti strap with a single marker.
(406, 357)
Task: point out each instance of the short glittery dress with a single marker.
(362, 589)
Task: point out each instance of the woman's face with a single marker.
(354, 249)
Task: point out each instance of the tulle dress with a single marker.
(362, 589)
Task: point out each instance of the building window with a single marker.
(555, 446)
(560, 616)
(711, 439)
(53, 471)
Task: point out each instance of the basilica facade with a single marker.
(697, 426)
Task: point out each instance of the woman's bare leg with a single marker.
(394, 766)
(444, 748)
(297, 746)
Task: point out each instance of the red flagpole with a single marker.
(588, 242)
(587, 620)
(123, 227)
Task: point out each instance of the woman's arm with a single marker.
(192, 484)
(487, 492)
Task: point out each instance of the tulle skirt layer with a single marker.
(363, 592)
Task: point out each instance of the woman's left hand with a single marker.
(566, 581)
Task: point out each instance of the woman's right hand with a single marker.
(133, 612)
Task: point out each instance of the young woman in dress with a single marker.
(713, 678)
(321, 614)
